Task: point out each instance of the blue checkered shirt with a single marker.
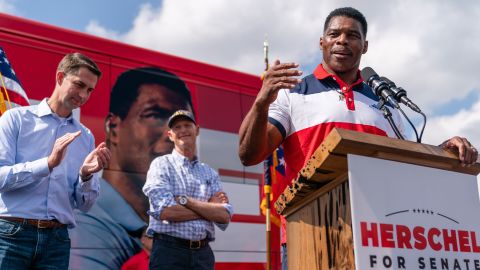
(173, 175)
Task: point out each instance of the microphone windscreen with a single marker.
(367, 73)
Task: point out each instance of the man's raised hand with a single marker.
(278, 76)
(95, 161)
(60, 148)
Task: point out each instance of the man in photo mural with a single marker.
(136, 128)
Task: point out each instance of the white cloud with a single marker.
(95, 28)
(465, 124)
(228, 33)
(429, 47)
(231, 33)
(7, 7)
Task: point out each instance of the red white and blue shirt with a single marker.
(306, 114)
(322, 101)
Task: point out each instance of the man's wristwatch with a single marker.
(182, 200)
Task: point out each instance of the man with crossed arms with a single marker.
(186, 200)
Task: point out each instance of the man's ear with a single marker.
(169, 133)
(59, 76)
(365, 47)
(111, 127)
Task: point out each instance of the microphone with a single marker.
(401, 95)
(380, 88)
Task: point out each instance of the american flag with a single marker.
(274, 176)
(11, 92)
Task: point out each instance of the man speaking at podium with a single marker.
(299, 113)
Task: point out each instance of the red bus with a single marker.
(221, 98)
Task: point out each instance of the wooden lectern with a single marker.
(317, 204)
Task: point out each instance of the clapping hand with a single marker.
(95, 161)
(60, 148)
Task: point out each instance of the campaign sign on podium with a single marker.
(413, 217)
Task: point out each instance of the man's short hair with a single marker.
(125, 91)
(72, 62)
(350, 13)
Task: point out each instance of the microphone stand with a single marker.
(388, 115)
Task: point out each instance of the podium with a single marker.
(317, 205)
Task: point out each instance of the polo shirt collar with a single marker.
(320, 73)
(346, 90)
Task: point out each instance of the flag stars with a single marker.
(281, 161)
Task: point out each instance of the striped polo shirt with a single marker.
(322, 101)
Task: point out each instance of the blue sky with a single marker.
(428, 47)
(76, 15)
